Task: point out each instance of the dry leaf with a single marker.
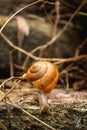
(23, 30)
(22, 25)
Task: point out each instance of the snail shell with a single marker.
(44, 75)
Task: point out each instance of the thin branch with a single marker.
(5, 95)
(47, 15)
(80, 47)
(11, 62)
(66, 4)
(71, 59)
(57, 17)
(1, 85)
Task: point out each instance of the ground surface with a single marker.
(68, 110)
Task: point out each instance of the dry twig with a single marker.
(5, 95)
(80, 47)
(11, 62)
(57, 18)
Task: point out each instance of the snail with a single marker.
(44, 76)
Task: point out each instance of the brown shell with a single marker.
(44, 75)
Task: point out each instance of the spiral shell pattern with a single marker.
(44, 75)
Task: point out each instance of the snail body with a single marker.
(43, 75)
